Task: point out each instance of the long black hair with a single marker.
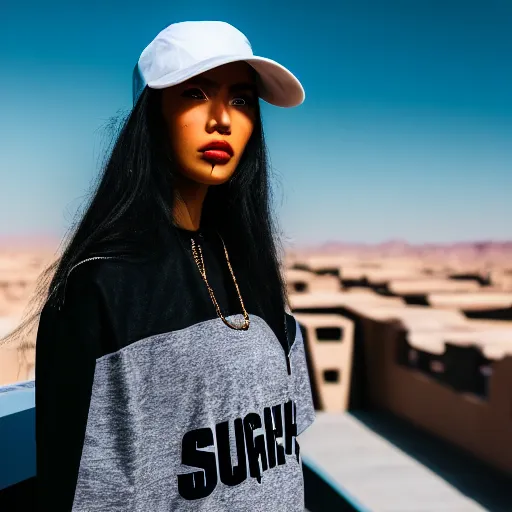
(134, 198)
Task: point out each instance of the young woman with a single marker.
(169, 374)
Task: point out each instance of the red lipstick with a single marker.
(217, 151)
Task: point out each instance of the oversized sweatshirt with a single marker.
(147, 402)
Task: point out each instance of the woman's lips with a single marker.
(217, 151)
(217, 156)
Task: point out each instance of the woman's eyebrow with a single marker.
(201, 80)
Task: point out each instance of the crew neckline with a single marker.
(185, 230)
(200, 234)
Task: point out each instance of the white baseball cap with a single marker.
(189, 48)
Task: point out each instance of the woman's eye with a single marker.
(242, 101)
(194, 93)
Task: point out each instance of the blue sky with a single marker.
(406, 131)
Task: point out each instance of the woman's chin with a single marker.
(208, 176)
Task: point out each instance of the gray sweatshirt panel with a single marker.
(200, 419)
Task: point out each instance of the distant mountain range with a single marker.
(28, 242)
(401, 247)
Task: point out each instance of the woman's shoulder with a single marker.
(96, 277)
(119, 276)
(94, 267)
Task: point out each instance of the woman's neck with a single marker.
(188, 204)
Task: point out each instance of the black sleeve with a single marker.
(68, 342)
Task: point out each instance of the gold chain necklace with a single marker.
(200, 265)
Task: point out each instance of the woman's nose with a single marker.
(220, 119)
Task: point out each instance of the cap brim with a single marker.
(277, 86)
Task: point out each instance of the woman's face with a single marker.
(218, 105)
